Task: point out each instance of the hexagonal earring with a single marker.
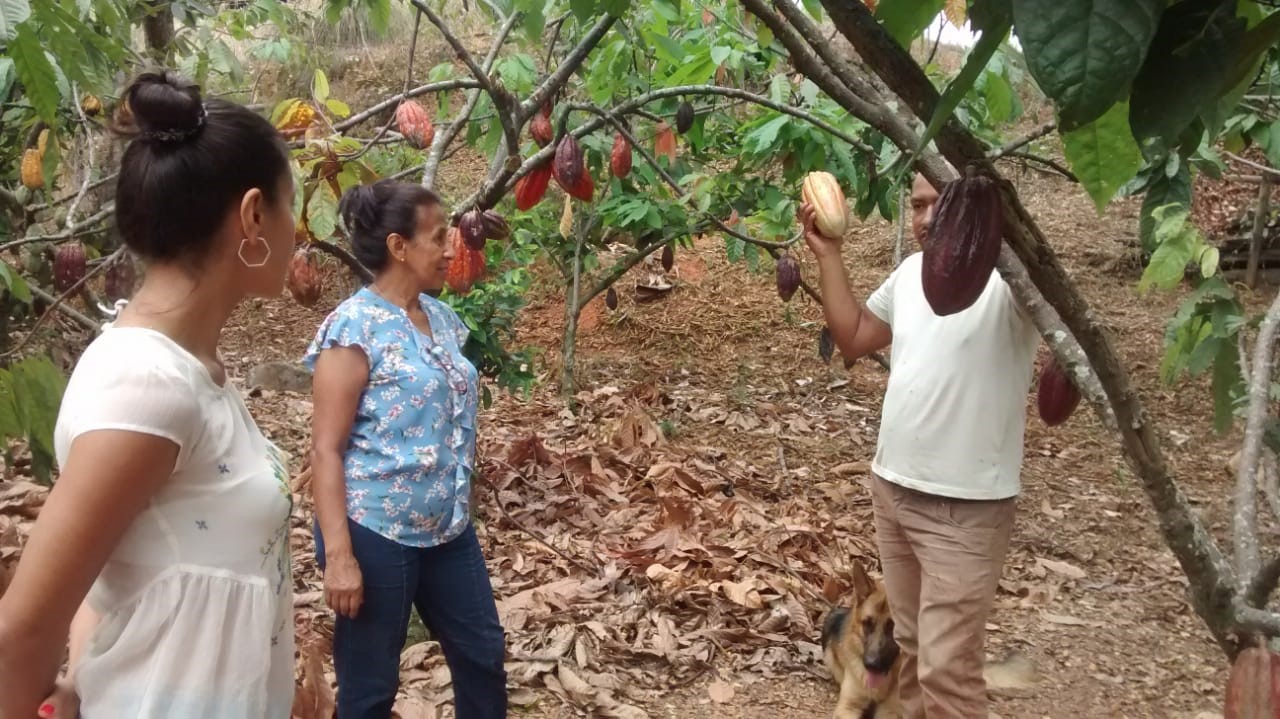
(254, 265)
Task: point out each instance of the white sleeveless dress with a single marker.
(196, 600)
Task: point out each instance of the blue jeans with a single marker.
(449, 585)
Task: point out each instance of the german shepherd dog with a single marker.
(862, 655)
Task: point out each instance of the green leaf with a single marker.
(12, 14)
(615, 8)
(322, 213)
(814, 8)
(379, 16)
(1198, 40)
(1084, 53)
(52, 157)
(38, 387)
(999, 97)
(906, 19)
(582, 9)
(1256, 41)
(38, 76)
(1177, 244)
(7, 76)
(320, 87)
(1163, 190)
(961, 84)
(10, 425)
(1227, 385)
(338, 107)
(1103, 154)
(534, 24)
(15, 284)
(1209, 256)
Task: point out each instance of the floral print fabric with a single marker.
(409, 459)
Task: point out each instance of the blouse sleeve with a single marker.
(158, 400)
(344, 327)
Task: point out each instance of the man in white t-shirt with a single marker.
(946, 469)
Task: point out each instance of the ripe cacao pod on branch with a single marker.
(963, 244)
(473, 228)
(32, 173)
(467, 266)
(620, 157)
(831, 212)
(664, 142)
(69, 265)
(1253, 687)
(531, 187)
(684, 117)
(585, 189)
(1056, 395)
(495, 225)
(304, 280)
(568, 167)
(413, 122)
(540, 130)
(787, 273)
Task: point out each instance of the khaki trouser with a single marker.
(941, 560)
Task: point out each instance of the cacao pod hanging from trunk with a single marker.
(568, 167)
(69, 265)
(540, 130)
(467, 266)
(1056, 395)
(531, 187)
(1253, 687)
(684, 117)
(413, 122)
(664, 142)
(830, 210)
(496, 227)
(963, 243)
(787, 273)
(668, 258)
(303, 279)
(620, 157)
(120, 278)
(474, 231)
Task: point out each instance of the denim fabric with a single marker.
(449, 585)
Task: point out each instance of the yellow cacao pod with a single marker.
(831, 212)
(42, 142)
(32, 176)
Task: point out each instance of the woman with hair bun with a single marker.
(393, 444)
(168, 527)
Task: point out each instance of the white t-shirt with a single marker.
(196, 599)
(955, 409)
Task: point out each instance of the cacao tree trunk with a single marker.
(1259, 231)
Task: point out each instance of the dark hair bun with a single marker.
(163, 106)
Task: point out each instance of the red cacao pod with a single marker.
(412, 122)
(1253, 687)
(531, 187)
(474, 231)
(496, 227)
(1056, 395)
(304, 280)
(620, 158)
(664, 142)
(668, 258)
(684, 117)
(585, 189)
(963, 244)
(467, 266)
(69, 265)
(540, 130)
(787, 274)
(568, 167)
(120, 278)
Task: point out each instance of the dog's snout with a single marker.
(880, 658)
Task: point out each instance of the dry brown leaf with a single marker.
(955, 11)
(313, 696)
(415, 707)
(721, 692)
(1067, 570)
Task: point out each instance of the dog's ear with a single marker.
(862, 584)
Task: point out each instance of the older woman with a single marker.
(393, 444)
(169, 525)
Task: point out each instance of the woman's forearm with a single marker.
(329, 493)
(28, 670)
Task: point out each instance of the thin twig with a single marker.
(84, 226)
(88, 166)
(1051, 164)
(1022, 142)
(565, 69)
(346, 258)
(498, 500)
(1250, 163)
(71, 196)
(1260, 216)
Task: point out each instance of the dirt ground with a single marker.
(1090, 593)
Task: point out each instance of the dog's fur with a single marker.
(862, 655)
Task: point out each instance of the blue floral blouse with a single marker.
(409, 460)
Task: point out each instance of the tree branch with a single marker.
(1051, 164)
(1264, 584)
(1245, 518)
(1250, 163)
(568, 66)
(1257, 620)
(391, 102)
(88, 165)
(67, 234)
(348, 259)
(1018, 144)
(1212, 580)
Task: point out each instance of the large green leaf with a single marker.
(906, 19)
(1103, 154)
(963, 82)
(38, 76)
(322, 212)
(1197, 42)
(1084, 53)
(38, 387)
(12, 14)
(1163, 190)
